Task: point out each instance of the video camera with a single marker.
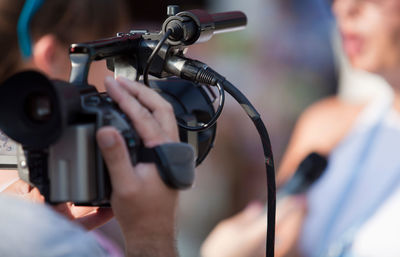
(56, 121)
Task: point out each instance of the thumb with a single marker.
(117, 159)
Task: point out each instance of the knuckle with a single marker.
(115, 156)
(155, 141)
(146, 91)
(126, 193)
(124, 103)
(142, 94)
(144, 113)
(168, 107)
(166, 111)
(174, 135)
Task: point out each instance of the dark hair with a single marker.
(67, 20)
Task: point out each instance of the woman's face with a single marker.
(370, 32)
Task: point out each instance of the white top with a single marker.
(363, 174)
(380, 235)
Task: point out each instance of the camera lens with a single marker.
(38, 107)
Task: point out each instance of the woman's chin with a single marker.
(365, 65)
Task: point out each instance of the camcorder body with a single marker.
(56, 121)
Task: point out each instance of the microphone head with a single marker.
(197, 26)
(309, 171)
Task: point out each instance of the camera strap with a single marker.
(175, 163)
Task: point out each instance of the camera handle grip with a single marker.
(175, 163)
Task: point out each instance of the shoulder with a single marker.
(324, 124)
(319, 129)
(41, 232)
(325, 110)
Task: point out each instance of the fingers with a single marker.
(161, 109)
(291, 215)
(117, 158)
(96, 219)
(256, 225)
(249, 214)
(64, 209)
(73, 212)
(152, 131)
(19, 187)
(80, 211)
(24, 190)
(258, 228)
(290, 205)
(89, 217)
(242, 235)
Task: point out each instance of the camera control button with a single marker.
(92, 101)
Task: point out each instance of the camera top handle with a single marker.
(127, 53)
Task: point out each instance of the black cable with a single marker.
(151, 58)
(220, 87)
(269, 161)
(199, 72)
(214, 119)
(214, 78)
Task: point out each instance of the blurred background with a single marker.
(283, 61)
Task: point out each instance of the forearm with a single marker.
(152, 236)
(152, 245)
(142, 203)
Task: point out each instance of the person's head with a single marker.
(370, 32)
(55, 25)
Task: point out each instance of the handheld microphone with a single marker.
(309, 170)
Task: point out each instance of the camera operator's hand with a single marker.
(143, 205)
(88, 217)
(23, 190)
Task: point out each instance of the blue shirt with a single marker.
(29, 229)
